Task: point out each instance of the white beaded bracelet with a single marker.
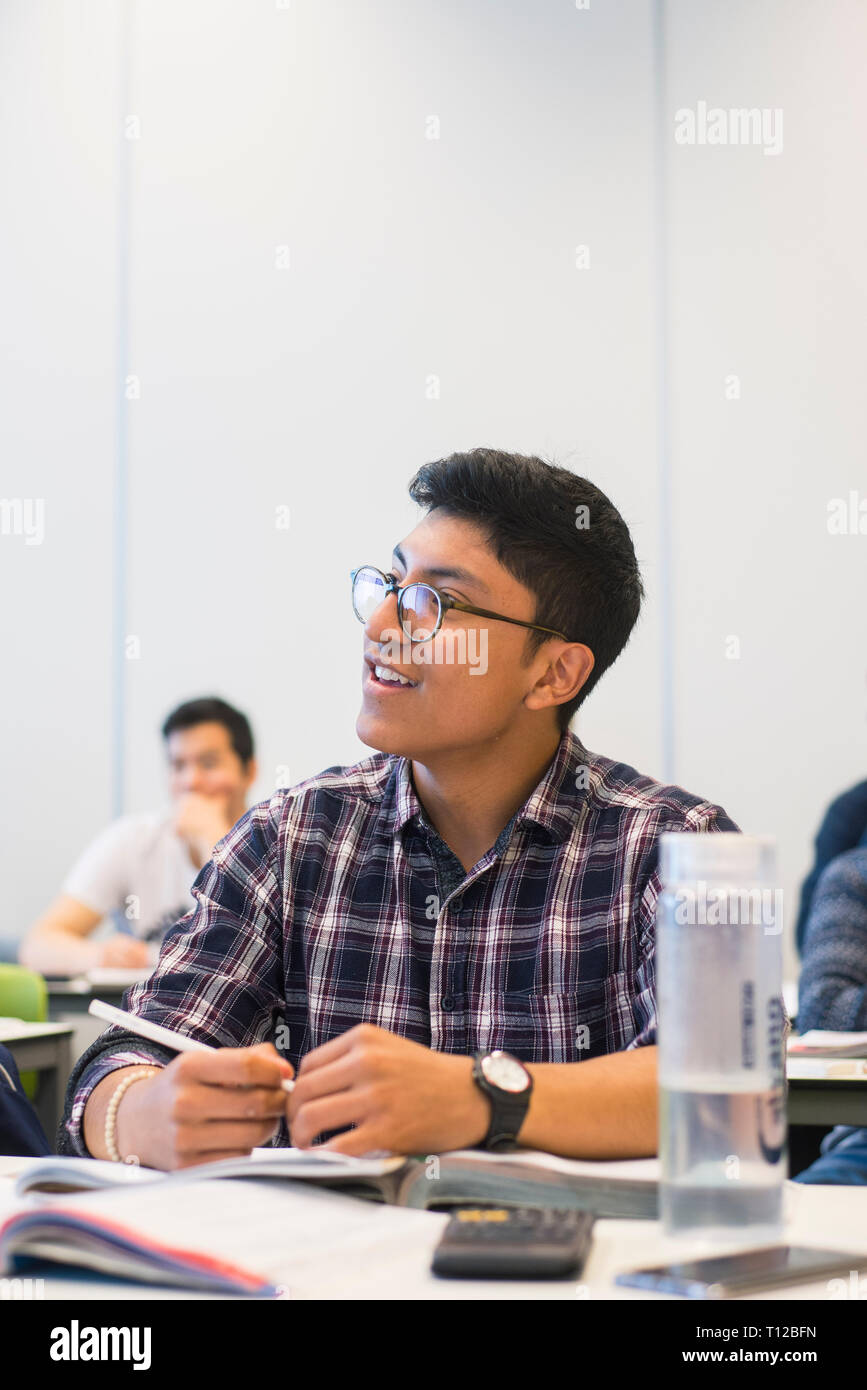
(111, 1112)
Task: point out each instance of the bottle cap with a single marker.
(685, 857)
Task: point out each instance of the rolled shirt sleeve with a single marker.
(705, 819)
(220, 973)
(644, 987)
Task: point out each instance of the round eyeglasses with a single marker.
(420, 607)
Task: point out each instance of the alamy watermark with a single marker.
(716, 125)
(699, 905)
(77, 1343)
(15, 1287)
(451, 647)
(847, 516)
(23, 516)
(856, 1288)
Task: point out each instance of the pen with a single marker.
(178, 1041)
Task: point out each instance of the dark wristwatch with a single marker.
(507, 1085)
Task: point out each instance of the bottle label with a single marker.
(748, 1023)
(772, 1114)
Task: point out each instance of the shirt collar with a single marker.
(551, 805)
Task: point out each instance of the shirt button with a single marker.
(447, 1003)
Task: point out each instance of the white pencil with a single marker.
(177, 1041)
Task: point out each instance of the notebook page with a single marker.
(85, 1173)
(826, 1069)
(642, 1170)
(823, 1040)
(290, 1236)
(81, 1173)
(324, 1160)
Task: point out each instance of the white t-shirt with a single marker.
(140, 872)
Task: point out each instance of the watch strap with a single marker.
(508, 1109)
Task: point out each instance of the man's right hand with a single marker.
(201, 1107)
(201, 821)
(122, 950)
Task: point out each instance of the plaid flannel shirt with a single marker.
(335, 903)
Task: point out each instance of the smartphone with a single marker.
(747, 1271)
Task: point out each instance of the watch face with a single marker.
(505, 1071)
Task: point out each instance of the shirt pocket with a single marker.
(566, 1026)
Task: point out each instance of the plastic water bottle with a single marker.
(722, 1118)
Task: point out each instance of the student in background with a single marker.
(832, 994)
(141, 868)
(843, 828)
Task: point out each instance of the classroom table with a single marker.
(45, 1048)
(73, 996)
(826, 1091)
(69, 1001)
(400, 1270)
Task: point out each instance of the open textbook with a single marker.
(228, 1236)
(525, 1177)
(140, 1223)
(160, 1228)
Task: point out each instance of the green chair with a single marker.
(23, 995)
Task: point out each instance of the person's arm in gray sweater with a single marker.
(832, 992)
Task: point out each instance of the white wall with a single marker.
(767, 281)
(58, 236)
(408, 257)
(305, 127)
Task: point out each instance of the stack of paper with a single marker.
(821, 1043)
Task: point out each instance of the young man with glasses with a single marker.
(452, 942)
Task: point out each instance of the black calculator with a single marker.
(514, 1243)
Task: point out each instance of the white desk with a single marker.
(399, 1269)
(69, 1001)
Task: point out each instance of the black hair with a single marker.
(558, 535)
(211, 710)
